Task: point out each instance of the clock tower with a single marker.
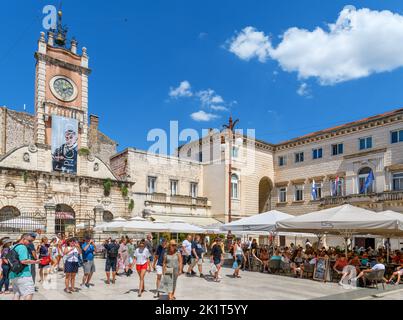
(61, 84)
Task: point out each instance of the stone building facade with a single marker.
(33, 195)
(194, 185)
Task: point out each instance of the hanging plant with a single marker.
(25, 176)
(84, 152)
(125, 190)
(131, 205)
(107, 187)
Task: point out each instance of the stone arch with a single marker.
(65, 199)
(9, 212)
(265, 189)
(65, 219)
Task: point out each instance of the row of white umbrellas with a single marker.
(138, 224)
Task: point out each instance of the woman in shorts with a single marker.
(216, 257)
(238, 257)
(142, 260)
(398, 274)
(45, 257)
(71, 254)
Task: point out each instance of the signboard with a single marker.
(64, 144)
(321, 271)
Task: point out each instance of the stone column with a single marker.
(99, 211)
(50, 209)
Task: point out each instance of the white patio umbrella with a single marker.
(23, 224)
(260, 222)
(393, 215)
(345, 220)
(111, 226)
(180, 226)
(141, 224)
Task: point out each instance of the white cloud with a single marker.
(360, 43)
(218, 108)
(184, 90)
(208, 98)
(203, 116)
(250, 43)
(303, 90)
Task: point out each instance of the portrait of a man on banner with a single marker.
(64, 144)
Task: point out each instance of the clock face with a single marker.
(64, 88)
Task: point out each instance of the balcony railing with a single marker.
(162, 198)
(359, 198)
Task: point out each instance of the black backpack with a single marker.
(14, 260)
(113, 252)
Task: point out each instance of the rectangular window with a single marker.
(365, 143)
(282, 161)
(151, 184)
(398, 181)
(282, 195)
(299, 193)
(235, 152)
(299, 157)
(337, 149)
(396, 136)
(317, 153)
(318, 192)
(193, 189)
(174, 187)
(337, 189)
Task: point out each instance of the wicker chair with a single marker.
(308, 270)
(274, 266)
(285, 267)
(374, 277)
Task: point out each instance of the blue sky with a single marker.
(140, 51)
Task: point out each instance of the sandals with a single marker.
(68, 291)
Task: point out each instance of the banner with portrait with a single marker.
(64, 144)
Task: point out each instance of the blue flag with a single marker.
(368, 182)
(314, 192)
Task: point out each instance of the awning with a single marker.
(64, 216)
(195, 220)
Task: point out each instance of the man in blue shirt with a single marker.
(23, 284)
(88, 248)
(159, 260)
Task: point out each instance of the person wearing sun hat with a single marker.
(172, 269)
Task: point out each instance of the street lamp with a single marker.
(230, 126)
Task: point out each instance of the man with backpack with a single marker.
(112, 252)
(20, 267)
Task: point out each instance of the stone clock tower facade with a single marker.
(61, 86)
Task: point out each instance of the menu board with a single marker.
(321, 271)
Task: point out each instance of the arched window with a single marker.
(234, 187)
(366, 181)
(107, 216)
(8, 213)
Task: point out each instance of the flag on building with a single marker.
(336, 186)
(368, 182)
(314, 191)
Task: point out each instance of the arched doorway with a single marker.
(363, 179)
(65, 220)
(265, 188)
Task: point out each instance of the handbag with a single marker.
(169, 270)
(235, 265)
(45, 261)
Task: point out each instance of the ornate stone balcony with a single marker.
(373, 198)
(180, 200)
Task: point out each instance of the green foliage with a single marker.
(84, 152)
(131, 205)
(25, 176)
(107, 187)
(125, 190)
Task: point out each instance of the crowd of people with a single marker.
(20, 260)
